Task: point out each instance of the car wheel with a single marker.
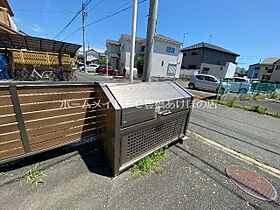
(191, 86)
(115, 74)
(242, 91)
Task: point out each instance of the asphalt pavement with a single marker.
(272, 105)
(193, 177)
(249, 133)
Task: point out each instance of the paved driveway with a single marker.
(193, 178)
(249, 133)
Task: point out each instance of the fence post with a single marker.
(19, 117)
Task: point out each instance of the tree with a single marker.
(102, 62)
(81, 58)
(140, 64)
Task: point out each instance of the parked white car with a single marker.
(90, 68)
(207, 82)
(239, 85)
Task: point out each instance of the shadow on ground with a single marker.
(89, 152)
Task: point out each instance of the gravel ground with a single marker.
(193, 178)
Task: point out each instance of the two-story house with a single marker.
(253, 70)
(166, 60)
(207, 58)
(270, 69)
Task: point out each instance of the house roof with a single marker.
(209, 46)
(93, 50)
(158, 37)
(5, 4)
(164, 38)
(113, 42)
(270, 61)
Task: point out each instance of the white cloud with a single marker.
(36, 28)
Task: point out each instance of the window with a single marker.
(219, 62)
(239, 80)
(170, 50)
(199, 77)
(195, 53)
(266, 68)
(123, 48)
(278, 67)
(162, 63)
(210, 79)
(191, 66)
(205, 70)
(142, 48)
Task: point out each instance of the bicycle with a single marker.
(35, 75)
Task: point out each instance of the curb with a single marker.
(264, 167)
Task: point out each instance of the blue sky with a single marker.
(247, 27)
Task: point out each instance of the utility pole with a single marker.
(133, 30)
(150, 39)
(84, 41)
(210, 37)
(107, 64)
(88, 46)
(184, 37)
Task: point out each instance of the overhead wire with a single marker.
(103, 18)
(68, 24)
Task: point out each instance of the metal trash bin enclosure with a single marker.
(137, 119)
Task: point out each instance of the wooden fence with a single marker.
(36, 116)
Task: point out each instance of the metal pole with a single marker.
(150, 39)
(84, 41)
(133, 30)
(107, 66)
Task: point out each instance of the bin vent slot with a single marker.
(151, 137)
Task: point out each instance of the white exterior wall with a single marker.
(160, 54)
(114, 49)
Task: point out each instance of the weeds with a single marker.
(230, 102)
(5, 174)
(147, 164)
(33, 175)
(258, 109)
(277, 115)
(273, 95)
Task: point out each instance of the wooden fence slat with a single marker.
(60, 134)
(50, 129)
(58, 119)
(7, 119)
(8, 128)
(11, 153)
(43, 89)
(54, 105)
(9, 137)
(4, 110)
(64, 139)
(4, 91)
(52, 113)
(5, 100)
(56, 97)
(10, 145)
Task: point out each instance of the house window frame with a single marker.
(170, 50)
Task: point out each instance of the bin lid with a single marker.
(136, 94)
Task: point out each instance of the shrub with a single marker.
(258, 109)
(230, 102)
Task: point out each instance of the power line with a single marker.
(68, 24)
(101, 19)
